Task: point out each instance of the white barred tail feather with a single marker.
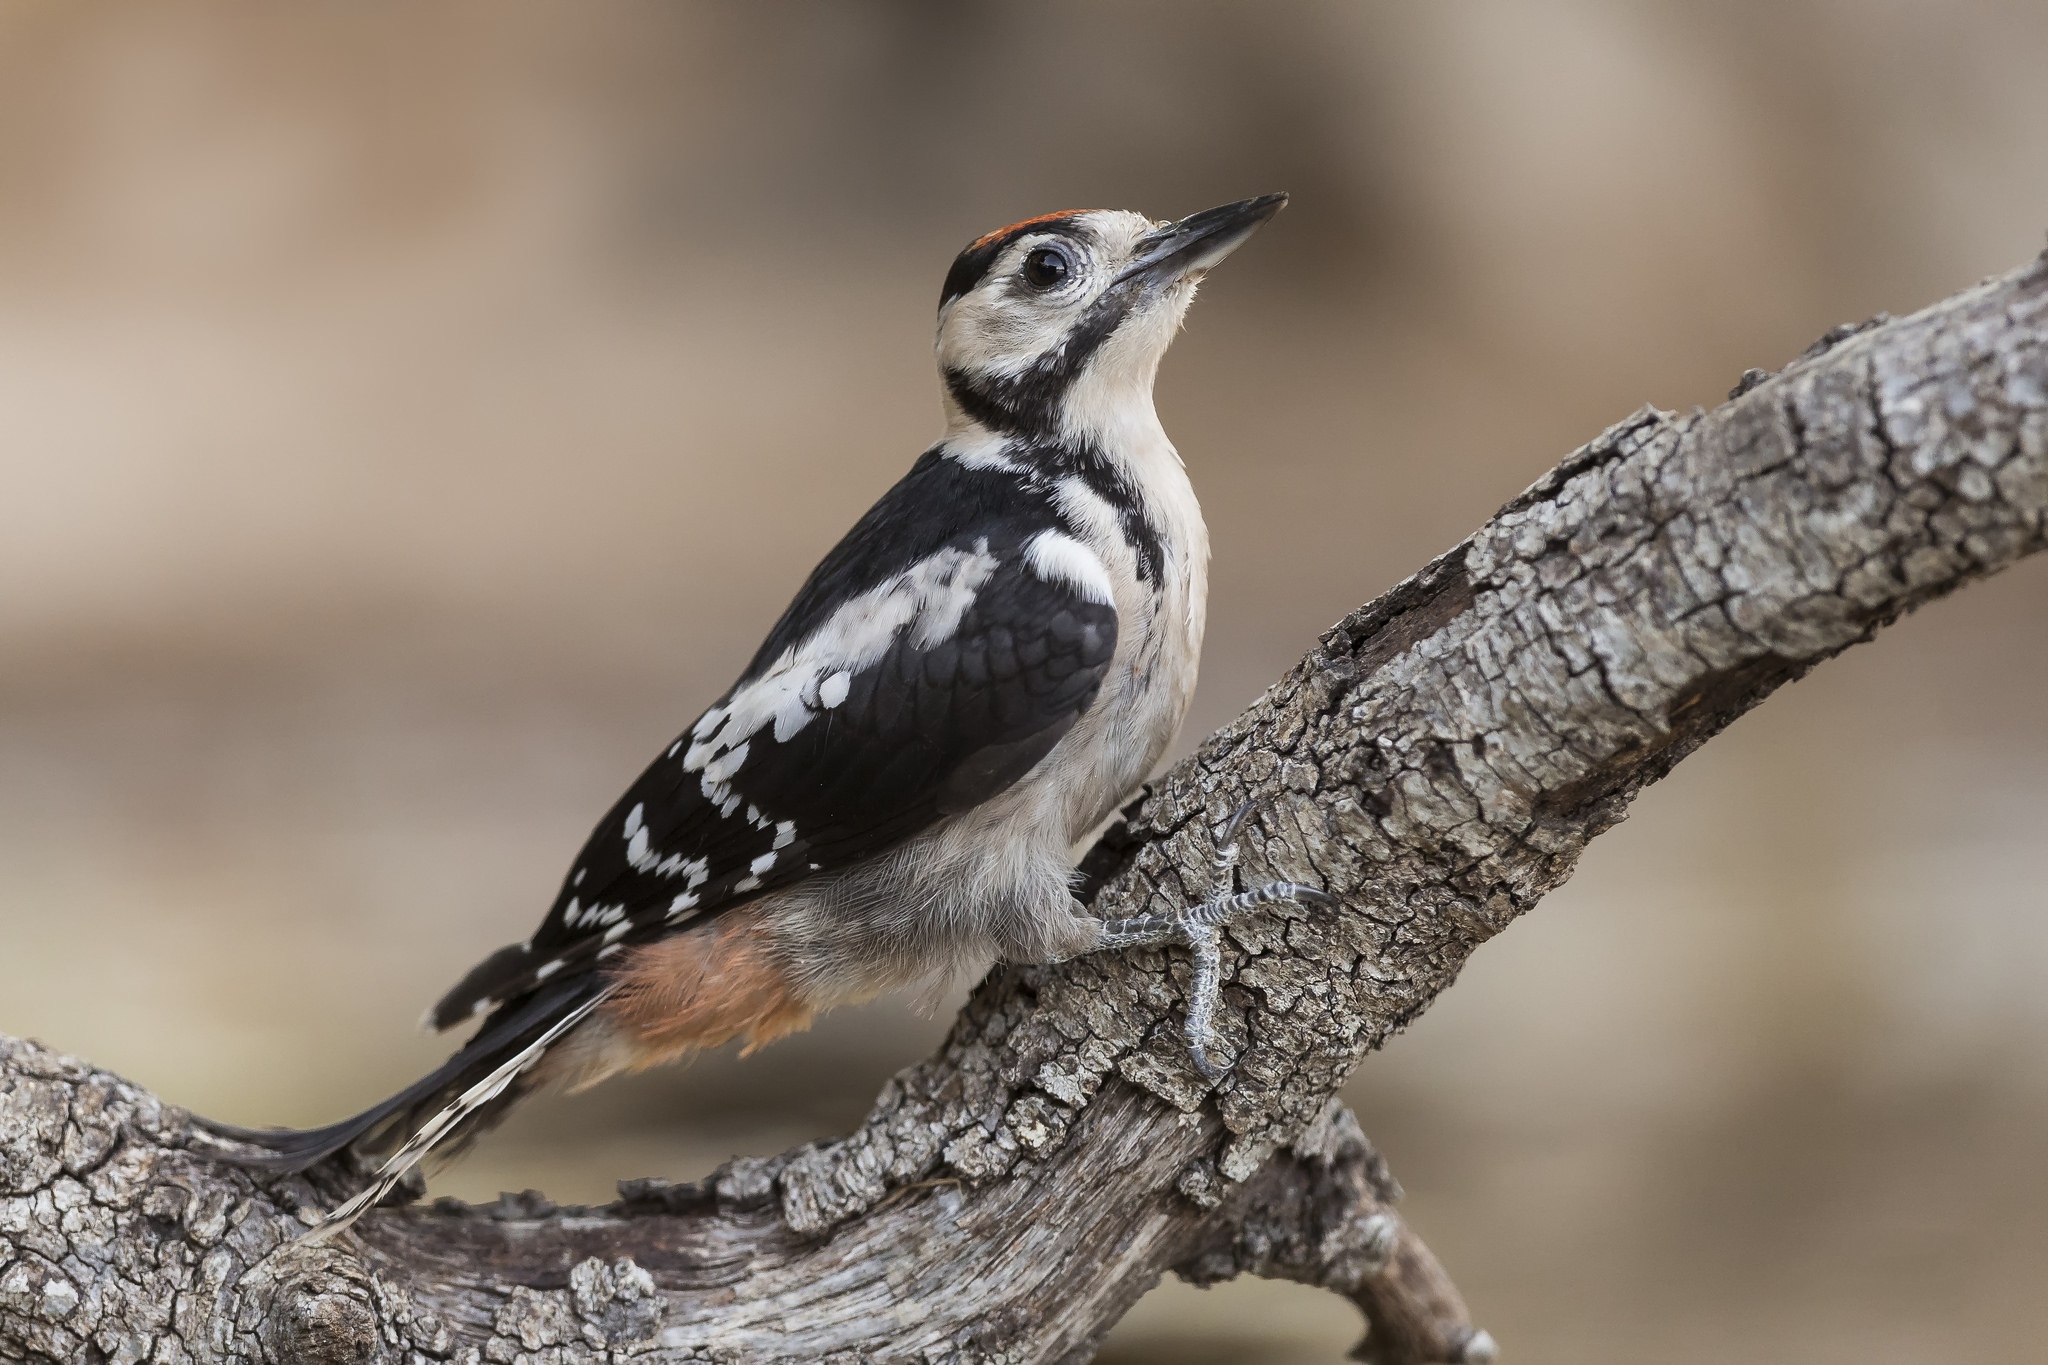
(451, 1119)
(457, 1099)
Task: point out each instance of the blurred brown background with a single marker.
(410, 415)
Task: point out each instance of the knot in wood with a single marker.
(320, 1313)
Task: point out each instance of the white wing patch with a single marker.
(928, 599)
(1059, 558)
(833, 690)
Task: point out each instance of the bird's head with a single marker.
(1051, 326)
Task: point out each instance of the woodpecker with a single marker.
(979, 674)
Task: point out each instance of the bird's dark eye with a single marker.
(1047, 267)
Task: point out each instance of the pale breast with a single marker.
(1161, 592)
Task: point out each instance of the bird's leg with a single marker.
(1196, 928)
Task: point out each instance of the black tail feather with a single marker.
(488, 978)
(512, 1028)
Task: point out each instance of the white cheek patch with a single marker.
(1059, 558)
(928, 599)
(1001, 329)
(1000, 336)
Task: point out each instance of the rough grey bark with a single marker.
(1438, 762)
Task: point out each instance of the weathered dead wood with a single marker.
(1438, 761)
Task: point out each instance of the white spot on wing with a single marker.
(676, 865)
(761, 864)
(1059, 558)
(682, 905)
(785, 834)
(579, 916)
(928, 599)
(721, 768)
(634, 819)
(746, 884)
(833, 690)
(547, 970)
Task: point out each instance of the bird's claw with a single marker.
(1197, 929)
(1199, 1023)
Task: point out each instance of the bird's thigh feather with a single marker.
(692, 991)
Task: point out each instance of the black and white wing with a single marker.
(922, 669)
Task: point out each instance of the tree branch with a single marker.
(1438, 762)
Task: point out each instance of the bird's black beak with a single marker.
(1200, 240)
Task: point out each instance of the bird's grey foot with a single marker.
(1197, 929)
